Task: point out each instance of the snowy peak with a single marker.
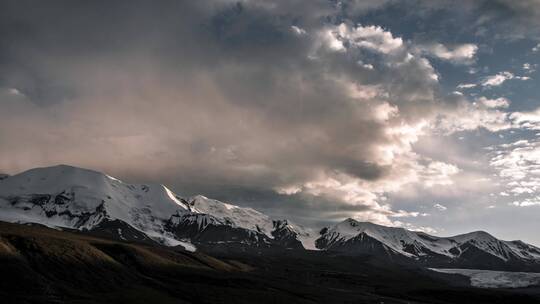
(485, 242)
(82, 199)
(218, 222)
(474, 236)
(353, 236)
(392, 238)
(92, 189)
(351, 228)
(76, 198)
(88, 189)
(246, 218)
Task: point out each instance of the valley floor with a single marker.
(496, 279)
(42, 265)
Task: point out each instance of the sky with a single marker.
(414, 113)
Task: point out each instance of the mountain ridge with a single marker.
(83, 199)
(473, 249)
(93, 202)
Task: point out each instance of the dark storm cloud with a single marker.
(68, 57)
(206, 93)
(287, 100)
(500, 19)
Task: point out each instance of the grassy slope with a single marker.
(41, 265)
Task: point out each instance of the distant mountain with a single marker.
(472, 250)
(90, 201)
(211, 222)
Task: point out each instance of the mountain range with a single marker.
(87, 201)
(476, 249)
(68, 197)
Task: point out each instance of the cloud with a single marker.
(459, 54)
(496, 19)
(468, 116)
(498, 79)
(373, 38)
(526, 120)
(440, 207)
(439, 173)
(227, 96)
(409, 226)
(500, 102)
(536, 48)
(14, 91)
(297, 30)
(527, 202)
(288, 102)
(529, 68)
(512, 19)
(466, 85)
(518, 165)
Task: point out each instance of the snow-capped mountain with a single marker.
(475, 249)
(214, 222)
(92, 202)
(85, 200)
